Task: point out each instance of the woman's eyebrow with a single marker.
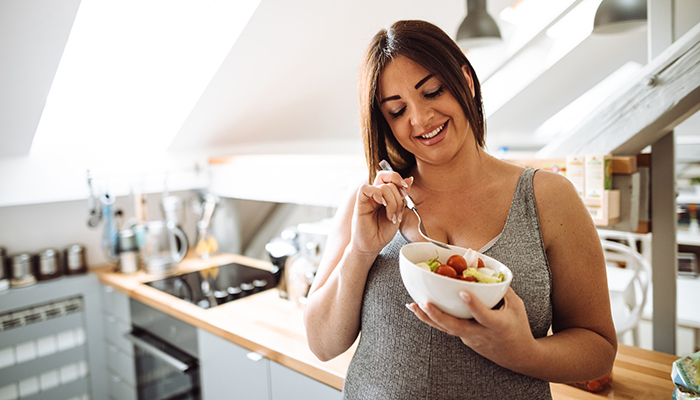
(422, 81)
(389, 98)
(419, 84)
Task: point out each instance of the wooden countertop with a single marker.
(273, 327)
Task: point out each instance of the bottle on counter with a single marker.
(128, 252)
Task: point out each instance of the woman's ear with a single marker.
(468, 77)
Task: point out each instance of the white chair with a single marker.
(629, 275)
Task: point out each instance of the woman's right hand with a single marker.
(378, 211)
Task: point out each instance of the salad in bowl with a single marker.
(436, 275)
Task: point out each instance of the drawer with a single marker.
(114, 332)
(119, 389)
(121, 364)
(116, 303)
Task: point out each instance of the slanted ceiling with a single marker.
(292, 74)
(33, 34)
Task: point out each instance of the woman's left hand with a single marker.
(502, 335)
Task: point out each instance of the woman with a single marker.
(421, 110)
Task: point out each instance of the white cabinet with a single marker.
(49, 346)
(119, 351)
(287, 384)
(228, 371)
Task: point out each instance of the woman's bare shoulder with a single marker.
(553, 187)
(559, 207)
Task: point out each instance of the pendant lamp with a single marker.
(616, 16)
(478, 28)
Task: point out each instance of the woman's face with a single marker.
(424, 116)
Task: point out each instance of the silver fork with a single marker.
(412, 206)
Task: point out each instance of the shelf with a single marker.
(604, 210)
(688, 238)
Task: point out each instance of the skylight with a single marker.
(571, 115)
(133, 70)
(541, 45)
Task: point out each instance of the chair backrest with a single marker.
(620, 253)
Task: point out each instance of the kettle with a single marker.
(311, 242)
(164, 245)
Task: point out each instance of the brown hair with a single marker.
(430, 47)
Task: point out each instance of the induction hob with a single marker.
(217, 285)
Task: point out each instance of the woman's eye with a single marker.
(398, 113)
(435, 93)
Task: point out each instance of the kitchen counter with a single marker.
(273, 327)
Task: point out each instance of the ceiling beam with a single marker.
(663, 94)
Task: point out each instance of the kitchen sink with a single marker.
(217, 285)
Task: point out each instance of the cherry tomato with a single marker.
(467, 278)
(480, 264)
(593, 386)
(458, 263)
(446, 270)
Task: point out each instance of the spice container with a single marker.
(21, 270)
(75, 260)
(48, 265)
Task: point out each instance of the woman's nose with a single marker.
(421, 115)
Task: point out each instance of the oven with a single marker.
(165, 355)
(166, 348)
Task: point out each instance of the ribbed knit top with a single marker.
(399, 357)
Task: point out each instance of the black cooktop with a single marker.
(217, 285)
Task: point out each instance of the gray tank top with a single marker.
(399, 357)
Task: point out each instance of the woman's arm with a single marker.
(583, 345)
(582, 321)
(363, 225)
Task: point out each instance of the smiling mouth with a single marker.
(434, 133)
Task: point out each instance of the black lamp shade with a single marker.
(615, 16)
(478, 28)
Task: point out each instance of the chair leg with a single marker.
(635, 336)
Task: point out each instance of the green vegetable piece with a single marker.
(433, 263)
(481, 277)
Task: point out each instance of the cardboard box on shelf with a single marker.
(598, 175)
(624, 164)
(575, 171)
(605, 210)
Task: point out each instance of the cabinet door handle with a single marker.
(253, 356)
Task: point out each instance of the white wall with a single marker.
(236, 225)
(62, 176)
(31, 228)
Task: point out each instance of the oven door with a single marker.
(163, 372)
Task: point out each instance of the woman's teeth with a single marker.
(433, 133)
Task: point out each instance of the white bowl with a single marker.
(428, 287)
